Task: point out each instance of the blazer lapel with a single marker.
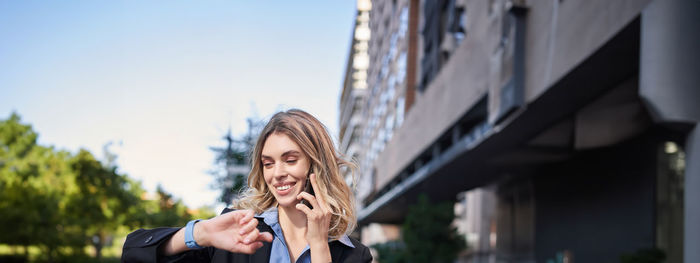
(336, 250)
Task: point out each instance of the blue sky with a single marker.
(163, 80)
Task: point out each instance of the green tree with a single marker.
(166, 210)
(33, 183)
(427, 235)
(203, 212)
(62, 203)
(102, 197)
(428, 232)
(646, 255)
(390, 252)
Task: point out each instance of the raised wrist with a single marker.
(318, 245)
(190, 239)
(320, 252)
(200, 233)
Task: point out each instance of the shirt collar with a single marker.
(270, 217)
(345, 240)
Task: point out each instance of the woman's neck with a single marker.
(293, 223)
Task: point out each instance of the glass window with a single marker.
(389, 127)
(403, 22)
(385, 66)
(393, 49)
(390, 88)
(401, 68)
(400, 105)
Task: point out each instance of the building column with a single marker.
(691, 241)
(669, 85)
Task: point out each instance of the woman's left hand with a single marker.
(318, 218)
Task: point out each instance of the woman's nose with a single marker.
(279, 170)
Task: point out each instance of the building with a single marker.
(578, 116)
(354, 93)
(354, 90)
(389, 93)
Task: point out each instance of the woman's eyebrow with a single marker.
(285, 154)
(290, 152)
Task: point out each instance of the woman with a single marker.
(270, 223)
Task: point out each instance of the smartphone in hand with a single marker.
(308, 188)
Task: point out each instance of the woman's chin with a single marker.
(288, 202)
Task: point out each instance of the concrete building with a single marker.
(354, 93)
(577, 117)
(389, 92)
(374, 100)
(353, 98)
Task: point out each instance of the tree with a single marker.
(390, 252)
(427, 235)
(646, 255)
(102, 197)
(428, 232)
(62, 202)
(36, 185)
(166, 210)
(17, 141)
(32, 182)
(232, 163)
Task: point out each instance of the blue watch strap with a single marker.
(189, 237)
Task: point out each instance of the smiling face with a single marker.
(284, 167)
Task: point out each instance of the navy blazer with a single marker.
(143, 245)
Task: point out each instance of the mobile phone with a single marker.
(308, 188)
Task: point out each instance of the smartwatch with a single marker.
(189, 237)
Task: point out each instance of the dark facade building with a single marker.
(565, 128)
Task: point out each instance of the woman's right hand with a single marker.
(235, 231)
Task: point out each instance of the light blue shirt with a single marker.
(279, 251)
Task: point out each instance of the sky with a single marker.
(164, 80)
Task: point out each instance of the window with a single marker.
(403, 22)
(444, 29)
(400, 108)
(401, 68)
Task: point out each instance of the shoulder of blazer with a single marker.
(343, 253)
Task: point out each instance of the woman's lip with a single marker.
(286, 191)
(282, 184)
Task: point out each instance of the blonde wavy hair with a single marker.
(313, 139)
